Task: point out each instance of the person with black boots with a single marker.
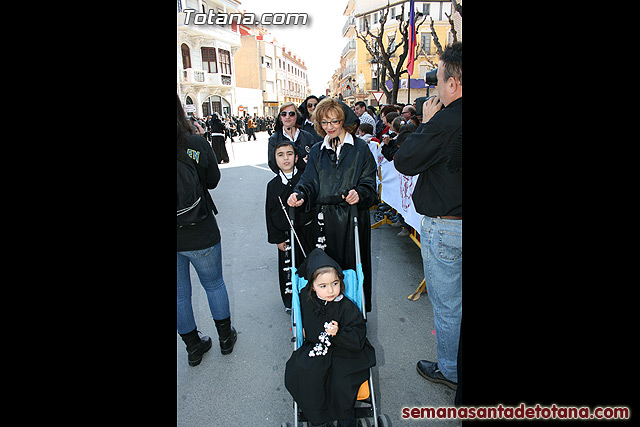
(198, 239)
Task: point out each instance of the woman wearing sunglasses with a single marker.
(287, 129)
(306, 120)
(341, 172)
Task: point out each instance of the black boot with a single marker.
(196, 346)
(226, 334)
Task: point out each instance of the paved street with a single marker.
(247, 387)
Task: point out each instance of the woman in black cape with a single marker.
(341, 171)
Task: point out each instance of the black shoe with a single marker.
(429, 371)
(196, 346)
(226, 335)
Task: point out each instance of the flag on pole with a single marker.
(412, 38)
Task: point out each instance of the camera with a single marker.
(431, 78)
(420, 102)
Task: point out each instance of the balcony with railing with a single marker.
(351, 46)
(349, 69)
(348, 92)
(212, 79)
(348, 27)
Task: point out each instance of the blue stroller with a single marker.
(365, 408)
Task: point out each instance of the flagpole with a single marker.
(412, 48)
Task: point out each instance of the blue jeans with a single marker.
(441, 248)
(208, 265)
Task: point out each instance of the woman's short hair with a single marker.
(322, 112)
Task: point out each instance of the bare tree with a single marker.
(458, 8)
(436, 41)
(383, 52)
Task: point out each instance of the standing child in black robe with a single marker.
(278, 229)
(324, 374)
(340, 172)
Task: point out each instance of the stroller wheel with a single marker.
(286, 425)
(384, 421)
(364, 422)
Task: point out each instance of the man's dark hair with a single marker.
(452, 58)
(361, 104)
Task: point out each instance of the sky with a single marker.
(319, 43)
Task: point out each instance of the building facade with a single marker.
(281, 74)
(294, 81)
(206, 78)
(357, 76)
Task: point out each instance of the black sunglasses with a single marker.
(291, 113)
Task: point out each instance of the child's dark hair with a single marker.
(285, 143)
(322, 270)
(397, 123)
(390, 116)
(366, 128)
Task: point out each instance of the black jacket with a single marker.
(312, 130)
(438, 192)
(206, 233)
(322, 184)
(278, 229)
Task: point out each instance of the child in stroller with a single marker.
(324, 374)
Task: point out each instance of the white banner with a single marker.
(397, 190)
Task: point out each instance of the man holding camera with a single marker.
(438, 196)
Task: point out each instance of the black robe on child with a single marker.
(278, 230)
(325, 385)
